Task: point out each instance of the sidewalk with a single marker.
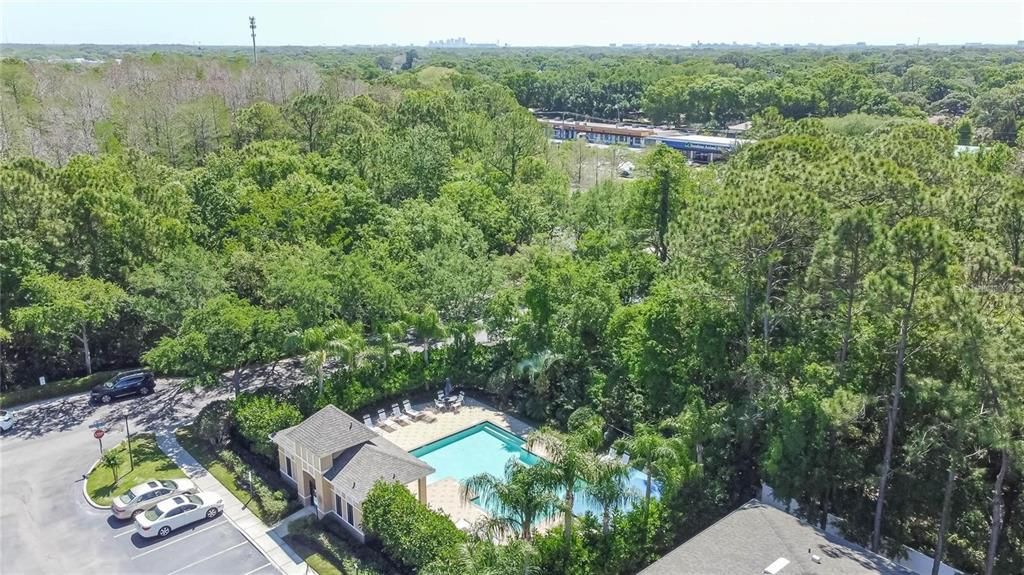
(267, 540)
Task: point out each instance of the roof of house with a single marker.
(361, 456)
(356, 469)
(756, 536)
(326, 432)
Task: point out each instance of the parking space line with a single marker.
(178, 540)
(208, 557)
(126, 532)
(264, 566)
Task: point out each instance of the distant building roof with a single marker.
(326, 432)
(741, 127)
(757, 536)
(698, 140)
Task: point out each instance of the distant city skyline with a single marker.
(558, 23)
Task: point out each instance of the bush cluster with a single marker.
(258, 416)
(409, 532)
(328, 539)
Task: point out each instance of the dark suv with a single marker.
(138, 381)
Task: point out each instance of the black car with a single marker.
(138, 381)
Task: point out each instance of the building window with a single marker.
(350, 514)
(288, 466)
(337, 504)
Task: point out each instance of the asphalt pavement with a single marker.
(46, 525)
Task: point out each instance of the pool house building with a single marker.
(333, 461)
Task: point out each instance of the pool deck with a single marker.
(445, 495)
(420, 433)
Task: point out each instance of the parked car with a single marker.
(177, 512)
(140, 381)
(6, 420)
(144, 496)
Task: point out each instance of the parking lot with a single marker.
(46, 526)
(209, 546)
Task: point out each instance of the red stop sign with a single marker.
(98, 434)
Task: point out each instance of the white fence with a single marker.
(913, 559)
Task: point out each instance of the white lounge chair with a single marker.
(383, 421)
(417, 414)
(625, 458)
(368, 422)
(609, 456)
(397, 415)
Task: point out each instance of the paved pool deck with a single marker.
(445, 494)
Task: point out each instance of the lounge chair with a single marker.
(625, 458)
(368, 422)
(417, 414)
(609, 456)
(397, 415)
(383, 421)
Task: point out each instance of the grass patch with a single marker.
(269, 497)
(330, 551)
(53, 389)
(150, 463)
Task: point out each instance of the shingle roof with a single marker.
(356, 469)
(326, 432)
(756, 535)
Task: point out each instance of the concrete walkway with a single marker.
(268, 541)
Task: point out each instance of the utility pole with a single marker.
(252, 26)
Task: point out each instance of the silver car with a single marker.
(145, 496)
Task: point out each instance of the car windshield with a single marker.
(127, 497)
(169, 484)
(194, 499)
(153, 514)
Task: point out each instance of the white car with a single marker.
(144, 496)
(179, 511)
(6, 420)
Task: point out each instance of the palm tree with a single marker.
(569, 459)
(349, 348)
(388, 338)
(609, 488)
(657, 455)
(318, 345)
(516, 501)
(536, 367)
(427, 329)
(111, 460)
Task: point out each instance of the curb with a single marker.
(85, 490)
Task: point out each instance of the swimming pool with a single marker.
(485, 448)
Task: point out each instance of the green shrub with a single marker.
(259, 416)
(345, 555)
(409, 532)
(268, 496)
(214, 422)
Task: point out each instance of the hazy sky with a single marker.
(556, 23)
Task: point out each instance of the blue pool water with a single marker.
(486, 448)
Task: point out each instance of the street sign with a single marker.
(98, 434)
(42, 380)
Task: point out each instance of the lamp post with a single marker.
(128, 433)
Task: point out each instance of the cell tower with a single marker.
(252, 26)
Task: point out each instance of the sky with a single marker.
(554, 23)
